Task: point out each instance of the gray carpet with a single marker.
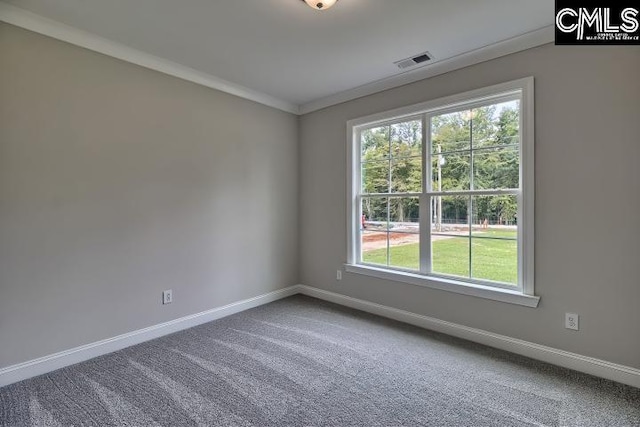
(304, 362)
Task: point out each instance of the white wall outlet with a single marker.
(571, 321)
(338, 274)
(167, 296)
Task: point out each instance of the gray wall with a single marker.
(117, 182)
(587, 201)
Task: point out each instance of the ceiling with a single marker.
(290, 52)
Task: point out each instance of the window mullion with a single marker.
(471, 187)
(389, 189)
(425, 200)
(510, 191)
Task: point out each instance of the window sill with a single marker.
(449, 285)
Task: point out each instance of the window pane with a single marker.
(494, 246)
(495, 260)
(375, 214)
(451, 171)
(375, 177)
(496, 124)
(450, 214)
(406, 175)
(404, 236)
(450, 235)
(474, 237)
(374, 143)
(495, 216)
(496, 168)
(406, 139)
(483, 126)
(374, 247)
(404, 251)
(451, 132)
(450, 255)
(404, 214)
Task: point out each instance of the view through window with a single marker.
(440, 194)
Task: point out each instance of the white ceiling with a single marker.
(284, 49)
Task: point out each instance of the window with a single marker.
(441, 194)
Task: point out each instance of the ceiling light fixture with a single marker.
(320, 4)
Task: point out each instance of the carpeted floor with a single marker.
(304, 362)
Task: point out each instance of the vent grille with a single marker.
(413, 61)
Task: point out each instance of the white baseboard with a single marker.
(597, 367)
(589, 365)
(42, 365)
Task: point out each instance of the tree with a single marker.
(491, 134)
(392, 163)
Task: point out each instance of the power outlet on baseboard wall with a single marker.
(338, 274)
(600, 368)
(572, 321)
(167, 297)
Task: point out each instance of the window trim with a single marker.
(525, 294)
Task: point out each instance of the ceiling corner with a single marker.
(519, 43)
(30, 21)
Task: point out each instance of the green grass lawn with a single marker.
(496, 232)
(491, 259)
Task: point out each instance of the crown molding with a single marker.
(39, 24)
(28, 20)
(516, 44)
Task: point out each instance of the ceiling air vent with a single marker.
(418, 59)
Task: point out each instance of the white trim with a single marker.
(39, 24)
(526, 41)
(481, 96)
(446, 284)
(589, 365)
(42, 365)
(526, 228)
(353, 179)
(22, 18)
(522, 90)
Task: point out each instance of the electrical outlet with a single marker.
(571, 321)
(338, 274)
(167, 297)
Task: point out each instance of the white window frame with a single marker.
(524, 293)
